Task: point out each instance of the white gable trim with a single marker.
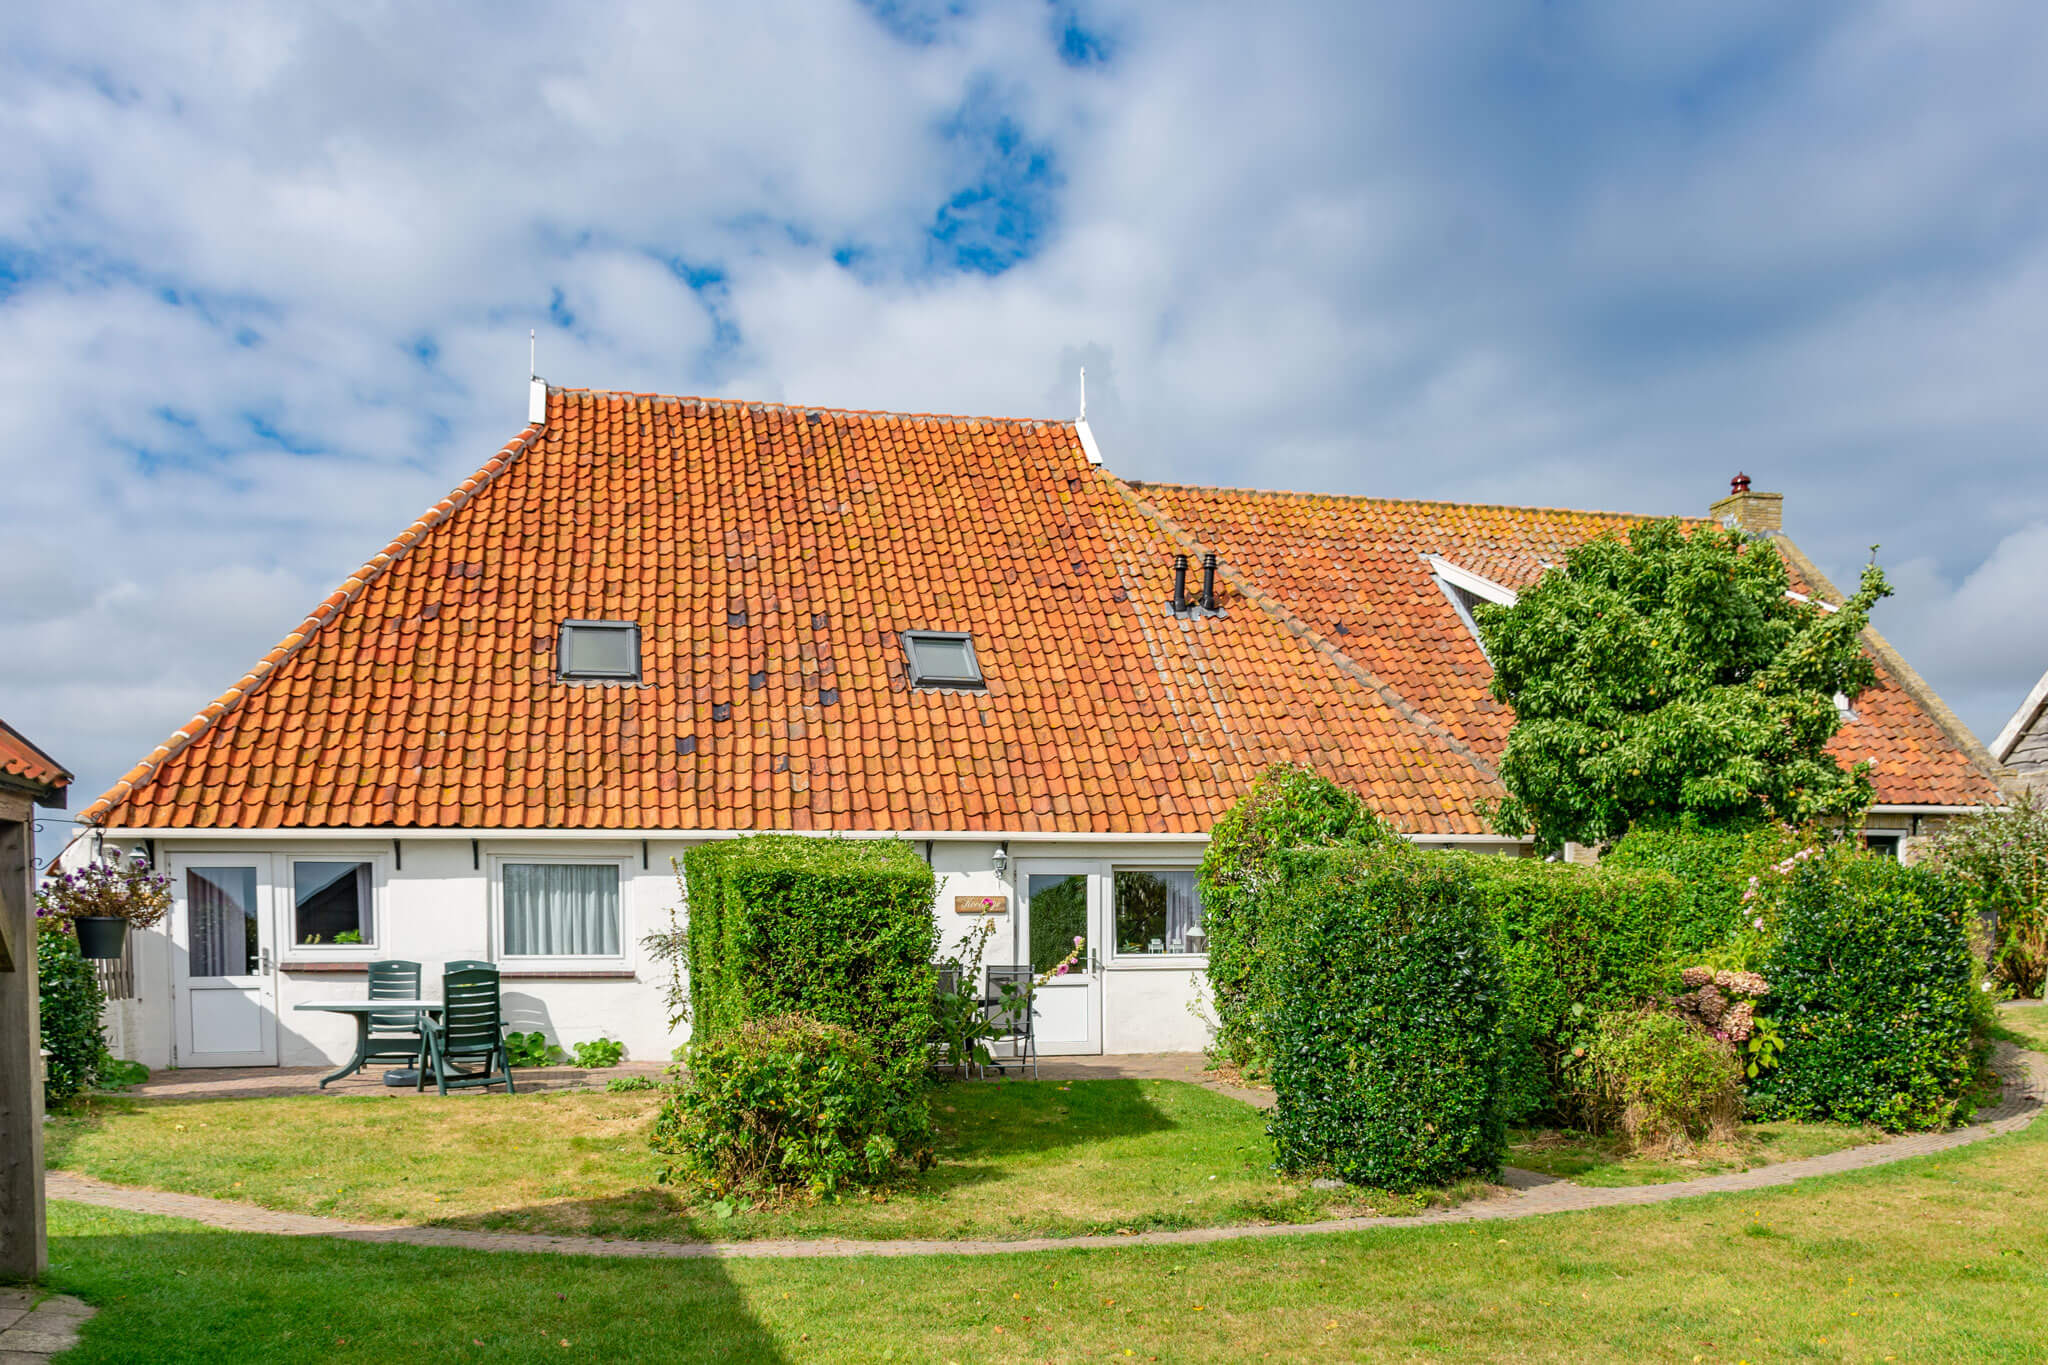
(1477, 584)
(2022, 720)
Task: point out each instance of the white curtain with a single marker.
(220, 907)
(1183, 909)
(561, 910)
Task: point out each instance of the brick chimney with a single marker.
(1760, 514)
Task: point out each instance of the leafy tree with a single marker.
(1672, 674)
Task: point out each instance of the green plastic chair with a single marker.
(466, 1046)
(395, 1037)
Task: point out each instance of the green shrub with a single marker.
(1714, 864)
(620, 1085)
(1255, 850)
(838, 930)
(2001, 853)
(785, 1104)
(530, 1049)
(1576, 942)
(598, 1053)
(1663, 1081)
(1870, 985)
(71, 1005)
(1386, 1026)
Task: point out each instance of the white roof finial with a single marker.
(536, 388)
(532, 355)
(1084, 395)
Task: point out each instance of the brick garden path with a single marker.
(2026, 1088)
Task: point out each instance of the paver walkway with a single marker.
(32, 1329)
(2026, 1087)
(273, 1082)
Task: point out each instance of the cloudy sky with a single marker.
(266, 277)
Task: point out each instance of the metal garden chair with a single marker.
(1009, 1014)
(466, 1046)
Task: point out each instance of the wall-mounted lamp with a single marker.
(1002, 861)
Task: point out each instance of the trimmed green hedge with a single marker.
(1256, 850)
(70, 1003)
(1714, 864)
(838, 930)
(1870, 987)
(1576, 942)
(1386, 1024)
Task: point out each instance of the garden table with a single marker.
(362, 1010)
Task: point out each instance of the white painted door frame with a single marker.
(230, 1018)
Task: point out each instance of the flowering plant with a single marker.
(130, 891)
(1064, 965)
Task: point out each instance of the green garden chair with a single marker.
(466, 1045)
(395, 1037)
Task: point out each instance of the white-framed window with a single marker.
(333, 902)
(551, 909)
(1156, 914)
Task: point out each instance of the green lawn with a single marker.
(1599, 1160)
(1939, 1259)
(1017, 1159)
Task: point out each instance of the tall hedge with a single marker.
(1714, 863)
(1386, 1024)
(838, 930)
(1870, 987)
(69, 1002)
(1575, 942)
(1256, 850)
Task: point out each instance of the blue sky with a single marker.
(268, 276)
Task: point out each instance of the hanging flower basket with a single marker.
(100, 936)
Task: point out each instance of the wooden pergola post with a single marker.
(27, 777)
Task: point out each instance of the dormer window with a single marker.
(941, 658)
(598, 651)
(1466, 590)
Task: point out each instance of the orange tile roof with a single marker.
(772, 554)
(1355, 567)
(28, 765)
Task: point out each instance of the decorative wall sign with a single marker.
(981, 905)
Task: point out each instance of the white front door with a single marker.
(1062, 903)
(223, 960)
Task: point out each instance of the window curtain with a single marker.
(561, 910)
(220, 909)
(1183, 909)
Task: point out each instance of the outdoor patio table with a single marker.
(362, 1010)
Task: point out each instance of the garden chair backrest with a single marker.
(393, 979)
(949, 980)
(470, 1020)
(1014, 1019)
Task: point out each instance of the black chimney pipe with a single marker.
(1209, 581)
(1180, 584)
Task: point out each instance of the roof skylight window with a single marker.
(598, 651)
(941, 658)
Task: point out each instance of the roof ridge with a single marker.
(1295, 625)
(758, 404)
(40, 752)
(1400, 502)
(351, 588)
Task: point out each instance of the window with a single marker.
(331, 903)
(1158, 912)
(599, 651)
(560, 909)
(941, 659)
(1886, 845)
(220, 905)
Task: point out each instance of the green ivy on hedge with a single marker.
(1255, 851)
(837, 930)
(1870, 987)
(70, 1003)
(1575, 942)
(1386, 1024)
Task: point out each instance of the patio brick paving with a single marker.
(2026, 1088)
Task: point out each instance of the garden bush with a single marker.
(1664, 1082)
(1576, 942)
(1386, 1023)
(70, 1003)
(2001, 853)
(837, 930)
(1714, 864)
(789, 1104)
(1870, 981)
(1255, 851)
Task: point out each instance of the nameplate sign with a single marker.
(981, 905)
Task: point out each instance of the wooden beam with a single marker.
(24, 1252)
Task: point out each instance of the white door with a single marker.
(223, 960)
(1062, 902)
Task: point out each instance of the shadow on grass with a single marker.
(168, 1293)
